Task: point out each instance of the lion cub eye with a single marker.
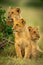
(16, 24)
(34, 31)
(12, 12)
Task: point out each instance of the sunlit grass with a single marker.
(33, 17)
(20, 61)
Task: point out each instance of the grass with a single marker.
(18, 61)
(8, 57)
(33, 17)
(8, 50)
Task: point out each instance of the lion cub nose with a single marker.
(38, 36)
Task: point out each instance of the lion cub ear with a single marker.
(30, 28)
(18, 10)
(23, 21)
(36, 28)
(9, 8)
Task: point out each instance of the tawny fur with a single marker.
(34, 33)
(13, 14)
(22, 35)
(22, 38)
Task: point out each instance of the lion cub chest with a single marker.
(22, 39)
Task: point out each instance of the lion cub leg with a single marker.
(27, 51)
(34, 50)
(18, 50)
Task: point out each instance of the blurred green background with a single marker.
(32, 12)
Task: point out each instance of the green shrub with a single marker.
(4, 28)
(6, 32)
(9, 50)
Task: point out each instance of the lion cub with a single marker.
(22, 38)
(34, 33)
(13, 14)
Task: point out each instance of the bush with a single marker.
(4, 28)
(9, 50)
(6, 32)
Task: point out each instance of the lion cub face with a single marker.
(19, 24)
(34, 32)
(13, 13)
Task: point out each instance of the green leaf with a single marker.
(1, 35)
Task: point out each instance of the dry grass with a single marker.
(33, 17)
(18, 61)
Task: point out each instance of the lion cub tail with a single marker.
(39, 49)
